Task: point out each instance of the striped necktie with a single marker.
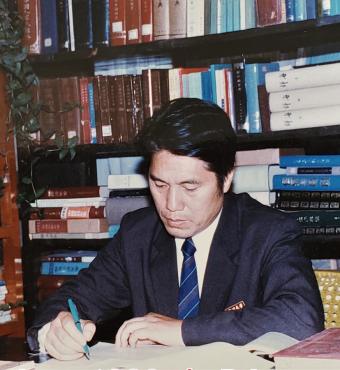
(188, 297)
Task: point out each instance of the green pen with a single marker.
(76, 319)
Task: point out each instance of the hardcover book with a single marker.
(76, 192)
(83, 25)
(117, 22)
(49, 28)
(161, 22)
(68, 213)
(268, 12)
(147, 20)
(133, 22)
(101, 22)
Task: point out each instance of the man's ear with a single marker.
(227, 181)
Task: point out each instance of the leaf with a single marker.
(40, 192)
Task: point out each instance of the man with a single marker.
(241, 273)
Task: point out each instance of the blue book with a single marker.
(221, 16)
(300, 10)
(306, 182)
(325, 58)
(206, 86)
(212, 70)
(253, 108)
(213, 17)
(92, 114)
(335, 7)
(290, 11)
(309, 161)
(230, 16)
(311, 8)
(113, 230)
(63, 25)
(49, 28)
(236, 15)
(250, 14)
(83, 24)
(62, 268)
(101, 22)
(65, 255)
(195, 85)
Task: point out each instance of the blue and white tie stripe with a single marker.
(188, 297)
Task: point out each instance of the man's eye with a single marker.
(191, 189)
(159, 185)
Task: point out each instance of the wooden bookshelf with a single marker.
(9, 221)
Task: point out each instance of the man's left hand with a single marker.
(151, 328)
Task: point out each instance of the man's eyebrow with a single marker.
(191, 182)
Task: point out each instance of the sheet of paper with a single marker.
(105, 356)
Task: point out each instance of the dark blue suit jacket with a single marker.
(255, 258)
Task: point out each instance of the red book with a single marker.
(85, 111)
(104, 108)
(68, 212)
(113, 110)
(30, 12)
(117, 22)
(268, 12)
(320, 351)
(121, 113)
(96, 103)
(137, 101)
(75, 192)
(147, 20)
(91, 225)
(70, 102)
(133, 22)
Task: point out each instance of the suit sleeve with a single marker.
(290, 299)
(97, 291)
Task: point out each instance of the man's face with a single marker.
(185, 193)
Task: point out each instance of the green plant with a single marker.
(24, 111)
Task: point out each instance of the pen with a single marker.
(76, 319)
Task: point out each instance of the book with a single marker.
(320, 351)
(68, 213)
(101, 22)
(76, 192)
(264, 156)
(86, 134)
(254, 178)
(306, 182)
(268, 12)
(147, 20)
(129, 181)
(177, 18)
(30, 13)
(195, 18)
(313, 170)
(299, 78)
(313, 97)
(69, 202)
(319, 217)
(310, 161)
(70, 256)
(161, 19)
(92, 225)
(304, 118)
(133, 22)
(117, 22)
(83, 24)
(103, 235)
(49, 28)
(63, 25)
(62, 268)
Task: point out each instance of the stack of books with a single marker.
(309, 190)
(304, 97)
(5, 311)
(70, 213)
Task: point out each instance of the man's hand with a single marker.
(151, 328)
(64, 341)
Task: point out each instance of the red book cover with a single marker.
(73, 192)
(30, 12)
(68, 212)
(121, 120)
(268, 12)
(133, 22)
(117, 22)
(96, 101)
(104, 108)
(147, 20)
(85, 111)
(91, 225)
(70, 106)
(137, 101)
(129, 107)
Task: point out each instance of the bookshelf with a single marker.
(9, 226)
(270, 43)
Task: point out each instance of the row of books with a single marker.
(304, 97)
(52, 26)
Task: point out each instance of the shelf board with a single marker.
(284, 37)
(8, 328)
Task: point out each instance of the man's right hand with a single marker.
(64, 341)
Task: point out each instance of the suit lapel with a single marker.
(164, 275)
(220, 270)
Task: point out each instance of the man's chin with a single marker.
(178, 232)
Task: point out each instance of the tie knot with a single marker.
(188, 247)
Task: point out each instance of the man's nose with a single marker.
(174, 200)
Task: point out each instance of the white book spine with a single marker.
(134, 181)
(243, 11)
(299, 78)
(255, 178)
(304, 118)
(221, 97)
(71, 24)
(304, 98)
(104, 235)
(174, 84)
(195, 18)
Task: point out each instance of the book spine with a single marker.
(213, 17)
(68, 213)
(112, 110)
(96, 106)
(51, 258)
(313, 170)
(133, 22)
(304, 98)
(304, 118)
(82, 19)
(71, 25)
(92, 111)
(304, 77)
(311, 9)
(63, 25)
(147, 20)
(177, 18)
(121, 121)
(253, 109)
(264, 108)
(132, 181)
(306, 182)
(250, 14)
(85, 111)
(93, 225)
(72, 192)
(137, 101)
(117, 22)
(268, 12)
(104, 108)
(129, 107)
(195, 18)
(310, 161)
(300, 10)
(101, 22)
(46, 226)
(161, 24)
(49, 28)
(240, 96)
(317, 217)
(70, 95)
(207, 17)
(62, 268)
(30, 12)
